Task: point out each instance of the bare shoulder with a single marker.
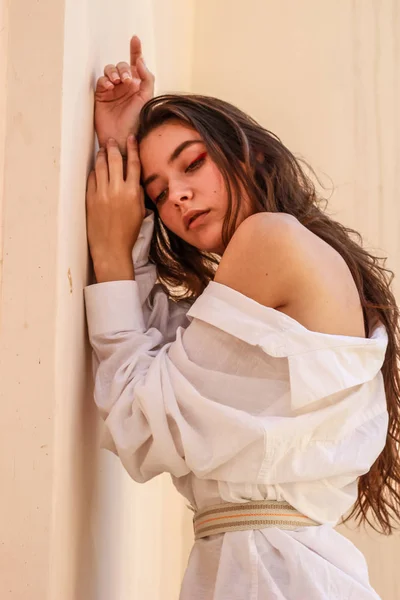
(266, 225)
(265, 229)
(275, 260)
(266, 258)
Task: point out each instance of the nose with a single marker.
(180, 193)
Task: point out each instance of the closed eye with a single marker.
(192, 167)
(159, 197)
(196, 163)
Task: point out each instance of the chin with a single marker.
(214, 248)
(210, 239)
(209, 243)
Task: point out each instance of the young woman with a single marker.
(243, 341)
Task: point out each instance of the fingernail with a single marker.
(126, 76)
(109, 85)
(115, 77)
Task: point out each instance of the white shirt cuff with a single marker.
(113, 306)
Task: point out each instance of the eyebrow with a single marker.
(173, 157)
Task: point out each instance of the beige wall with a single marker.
(3, 100)
(324, 76)
(28, 299)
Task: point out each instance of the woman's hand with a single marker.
(115, 210)
(120, 94)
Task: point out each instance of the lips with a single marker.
(196, 217)
(192, 216)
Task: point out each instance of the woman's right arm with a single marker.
(128, 365)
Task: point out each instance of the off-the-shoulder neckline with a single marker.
(291, 321)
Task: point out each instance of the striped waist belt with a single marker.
(221, 518)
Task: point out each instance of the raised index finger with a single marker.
(136, 49)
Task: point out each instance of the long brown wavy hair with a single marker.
(249, 155)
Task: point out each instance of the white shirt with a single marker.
(238, 401)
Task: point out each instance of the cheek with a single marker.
(216, 179)
(170, 218)
(214, 186)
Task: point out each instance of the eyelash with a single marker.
(198, 162)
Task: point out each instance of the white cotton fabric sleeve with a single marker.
(113, 306)
(128, 368)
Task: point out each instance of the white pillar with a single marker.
(73, 524)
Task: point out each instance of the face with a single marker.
(186, 185)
